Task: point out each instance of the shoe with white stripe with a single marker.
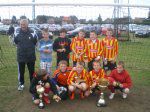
(124, 95)
(111, 96)
(20, 87)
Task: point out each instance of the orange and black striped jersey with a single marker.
(95, 76)
(73, 75)
(78, 46)
(93, 49)
(61, 77)
(110, 48)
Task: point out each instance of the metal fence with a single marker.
(134, 52)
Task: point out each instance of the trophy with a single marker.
(118, 84)
(40, 91)
(94, 79)
(85, 58)
(78, 58)
(56, 98)
(78, 80)
(86, 62)
(62, 46)
(105, 61)
(102, 85)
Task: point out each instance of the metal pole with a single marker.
(128, 22)
(33, 12)
(73, 4)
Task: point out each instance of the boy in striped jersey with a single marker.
(78, 47)
(96, 74)
(110, 51)
(93, 49)
(78, 79)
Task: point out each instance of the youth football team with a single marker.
(92, 59)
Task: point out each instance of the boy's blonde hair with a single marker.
(63, 62)
(110, 29)
(45, 30)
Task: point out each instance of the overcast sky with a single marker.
(80, 12)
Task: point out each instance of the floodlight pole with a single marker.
(33, 11)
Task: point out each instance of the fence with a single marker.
(134, 52)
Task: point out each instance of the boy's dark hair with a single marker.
(63, 30)
(93, 31)
(80, 63)
(97, 62)
(41, 73)
(121, 63)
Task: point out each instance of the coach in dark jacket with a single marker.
(25, 41)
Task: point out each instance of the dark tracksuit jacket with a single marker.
(25, 42)
(36, 81)
(57, 45)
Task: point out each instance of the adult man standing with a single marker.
(25, 41)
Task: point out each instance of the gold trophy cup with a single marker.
(102, 85)
(86, 62)
(85, 58)
(62, 46)
(78, 58)
(40, 91)
(78, 80)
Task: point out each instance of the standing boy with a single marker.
(62, 47)
(110, 51)
(78, 47)
(45, 47)
(94, 49)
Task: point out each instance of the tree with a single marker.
(91, 21)
(23, 17)
(99, 19)
(41, 19)
(74, 19)
(82, 21)
(58, 20)
(13, 20)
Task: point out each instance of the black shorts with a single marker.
(96, 88)
(35, 96)
(109, 66)
(63, 94)
(119, 88)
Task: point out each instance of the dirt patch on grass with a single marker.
(138, 101)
